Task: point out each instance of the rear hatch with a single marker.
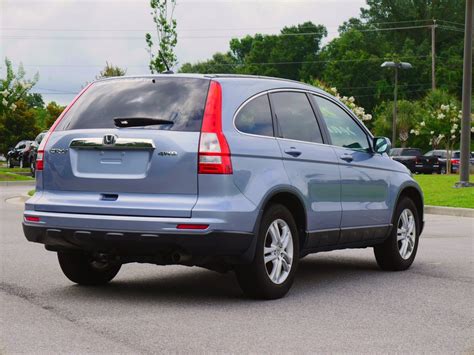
(92, 166)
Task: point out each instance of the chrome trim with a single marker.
(320, 94)
(120, 143)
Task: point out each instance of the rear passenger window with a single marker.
(255, 117)
(295, 117)
(344, 131)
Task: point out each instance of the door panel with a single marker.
(364, 183)
(311, 165)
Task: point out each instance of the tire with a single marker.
(84, 270)
(393, 255)
(443, 170)
(263, 281)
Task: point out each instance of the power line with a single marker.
(201, 37)
(235, 64)
(192, 29)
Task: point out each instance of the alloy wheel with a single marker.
(406, 233)
(278, 251)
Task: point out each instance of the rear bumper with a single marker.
(138, 243)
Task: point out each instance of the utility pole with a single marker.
(433, 55)
(466, 99)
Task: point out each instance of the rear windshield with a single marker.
(180, 100)
(411, 152)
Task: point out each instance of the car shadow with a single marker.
(315, 274)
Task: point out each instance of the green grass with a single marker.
(7, 176)
(31, 192)
(439, 191)
(14, 170)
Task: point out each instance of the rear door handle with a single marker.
(293, 152)
(347, 157)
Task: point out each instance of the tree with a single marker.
(442, 124)
(409, 114)
(111, 70)
(17, 119)
(54, 111)
(220, 63)
(17, 125)
(162, 58)
(348, 101)
(14, 87)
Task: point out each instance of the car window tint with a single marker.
(295, 117)
(180, 100)
(344, 131)
(255, 117)
(411, 152)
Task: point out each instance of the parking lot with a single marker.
(341, 302)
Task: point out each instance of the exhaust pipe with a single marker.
(180, 258)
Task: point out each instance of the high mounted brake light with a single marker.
(214, 152)
(44, 141)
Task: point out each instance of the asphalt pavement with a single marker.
(340, 302)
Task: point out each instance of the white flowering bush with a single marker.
(348, 101)
(14, 87)
(441, 127)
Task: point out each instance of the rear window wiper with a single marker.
(139, 121)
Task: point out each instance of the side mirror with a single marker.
(382, 145)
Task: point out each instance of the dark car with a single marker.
(20, 155)
(34, 151)
(442, 156)
(415, 161)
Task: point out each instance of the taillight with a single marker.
(40, 153)
(214, 152)
(455, 161)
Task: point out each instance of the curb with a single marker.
(18, 183)
(450, 211)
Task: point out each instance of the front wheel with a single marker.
(271, 273)
(399, 249)
(83, 269)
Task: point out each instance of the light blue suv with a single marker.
(224, 172)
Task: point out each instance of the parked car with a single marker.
(224, 172)
(19, 155)
(415, 161)
(34, 151)
(455, 159)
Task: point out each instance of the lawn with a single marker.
(7, 174)
(439, 191)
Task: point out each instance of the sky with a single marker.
(68, 42)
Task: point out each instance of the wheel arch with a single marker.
(414, 193)
(290, 198)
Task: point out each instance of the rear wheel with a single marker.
(83, 269)
(271, 273)
(399, 250)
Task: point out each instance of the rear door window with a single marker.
(180, 100)
(255, 117)
(295, 117)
